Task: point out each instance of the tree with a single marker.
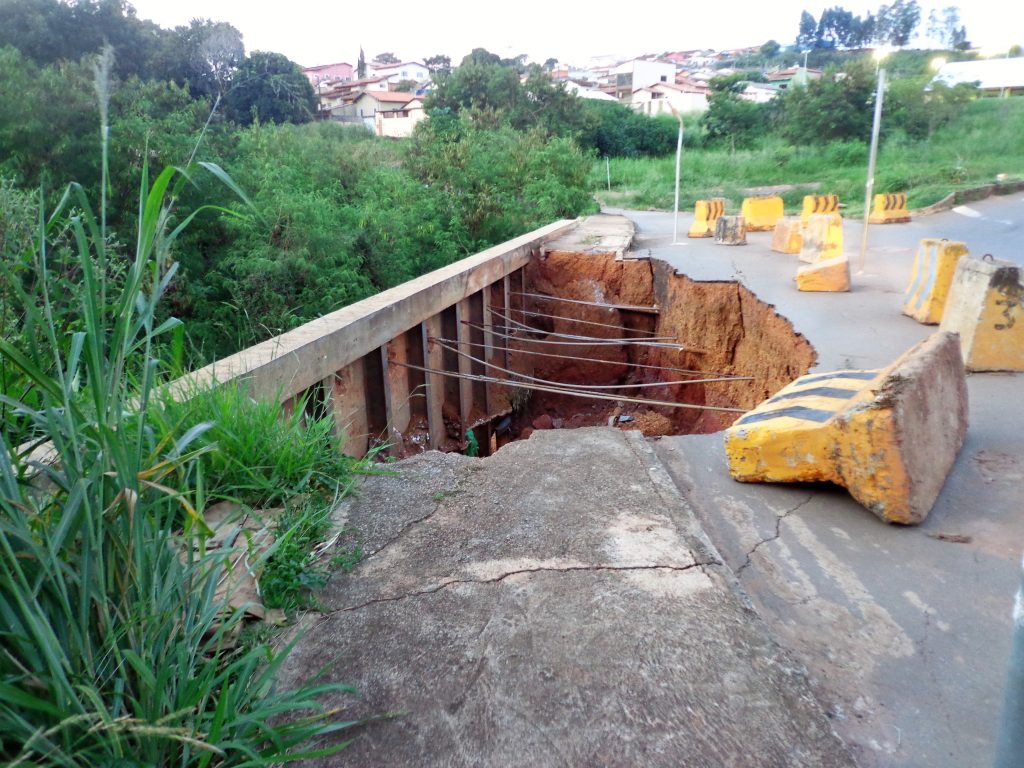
(808, 36)
(361, 64)
(835, 28)
(386, 58)
(438, 63)
(770, 49)
(550, 64)
(830, 108)
(895, 24)
(271, 88)
(944, 26)
(730, 117)
(202, 56)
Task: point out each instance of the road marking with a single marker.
(964, 210)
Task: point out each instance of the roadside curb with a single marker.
(972, 195)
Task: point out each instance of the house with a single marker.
(326, 72)
(399, 123)
(759, 93)
(395, 73)
(584, 92)
(794, 76)
(334, 93)
(662, 98)
(638, 73)
(393, 114)
(999, 77)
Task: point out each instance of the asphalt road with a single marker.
(905, 632)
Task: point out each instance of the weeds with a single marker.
(115, 647)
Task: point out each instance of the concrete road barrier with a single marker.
(986, 307)
(705, 214)
(762, 213)
(822, 238)
(930, 279)
(819, 204)
(890, 209)
(829, 276)
(889, 437)
(731, 230)
(788, 235)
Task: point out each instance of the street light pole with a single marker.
(869, 187)
(679, 160)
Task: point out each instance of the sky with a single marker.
(313, 32)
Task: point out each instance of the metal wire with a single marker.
(494, 310)
(585, 387)
(628, 307)
(730, 376)
(569, 392)
(580, 340)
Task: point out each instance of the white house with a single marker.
(400, 123)
(588, 93)
(396, 73)
(662, 98)
(759, 93)
(998, 76)
(639, 73)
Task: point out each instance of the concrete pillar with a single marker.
(346, 397)
(434, 359)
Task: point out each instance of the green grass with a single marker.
(969, 151)
(115, 649)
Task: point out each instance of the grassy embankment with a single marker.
(971, 150)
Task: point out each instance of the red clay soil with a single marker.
(721, 328)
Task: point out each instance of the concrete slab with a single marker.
(554, 604)
(603, 233)
(905, 632)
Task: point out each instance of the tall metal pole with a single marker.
(1010, 743)
(679, 160)
(869, 187)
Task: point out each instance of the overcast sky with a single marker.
(318, 32)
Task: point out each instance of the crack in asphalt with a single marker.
(498, 579)
(778, 532)
(423, 518)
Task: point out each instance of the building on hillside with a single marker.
(639, 73)
(327, 72)
(364, 107)
(412, 71)
(662, 98)
(995, 77)
(399, 123)
(759, 93)
(584, 92)
(792, 77)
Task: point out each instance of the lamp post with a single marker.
(679, 160)
(869, 186)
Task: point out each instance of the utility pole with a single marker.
(869, 187)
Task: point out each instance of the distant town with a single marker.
(387, 95)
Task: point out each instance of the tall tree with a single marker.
(895, 24)
(361, 64)
(808, 36)
(271, 88)
(438, 63)
(386, 58)
(944, 26)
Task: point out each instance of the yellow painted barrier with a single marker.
(986, 307)
(822, 238)
(819, 204)
(890, 209)
(830, 276)
(731, 230)
(788, 235)
(930, 279)
(889, 437)
(705, 214)
(761, 213)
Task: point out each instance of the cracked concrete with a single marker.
(556, 604)
(774, 537)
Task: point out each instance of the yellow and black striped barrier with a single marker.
(762, 213)
(890, 209)
(814, 204)
(986, 307)
(705, 214)
(888, 436)
(930, 279)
